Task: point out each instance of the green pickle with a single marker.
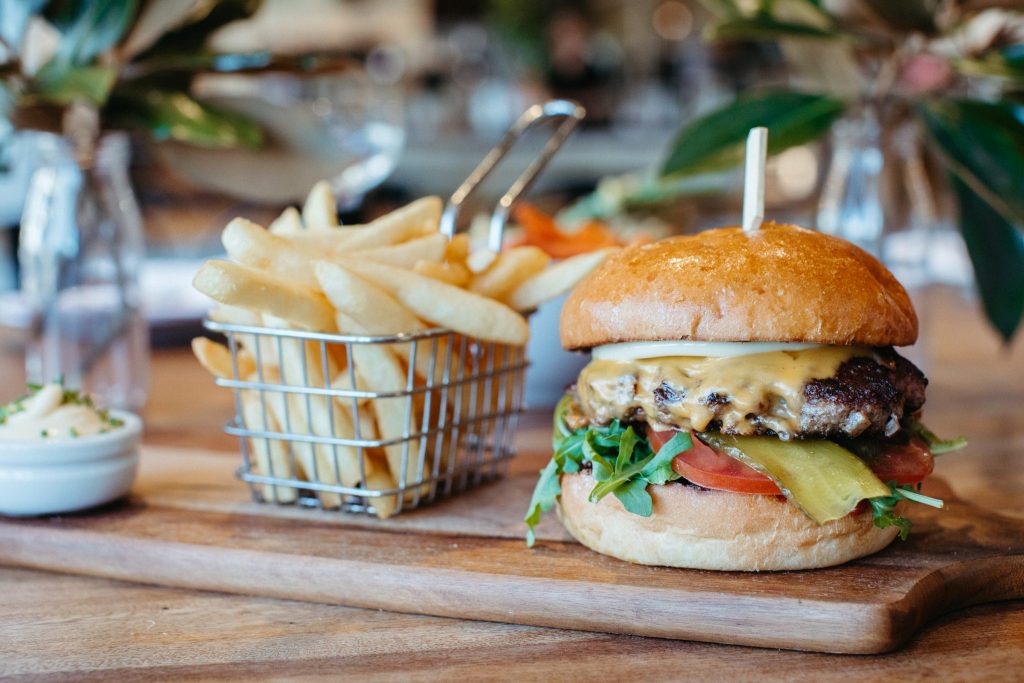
(821, 478)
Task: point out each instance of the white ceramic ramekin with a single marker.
(47, 476)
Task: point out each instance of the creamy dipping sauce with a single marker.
(53, 413)
(769, 385)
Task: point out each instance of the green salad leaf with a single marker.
(936, 445)
(622, 461)
(883, 507)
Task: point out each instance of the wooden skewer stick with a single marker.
(753, 180)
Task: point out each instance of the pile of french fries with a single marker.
(397, 274)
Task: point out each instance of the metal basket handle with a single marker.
(570, 114)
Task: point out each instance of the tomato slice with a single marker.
(707, 467)
(704, 466)
(908, 464)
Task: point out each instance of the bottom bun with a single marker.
(699, 528)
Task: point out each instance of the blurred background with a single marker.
(133, 131)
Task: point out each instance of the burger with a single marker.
(744, 408)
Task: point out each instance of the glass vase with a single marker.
(81, 251)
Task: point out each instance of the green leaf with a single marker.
(764, 27)
(996, 248)
(627, 443)
(618, 477)
(62, 83)
(89, 27)
(715, 141)
(173, 115)
(883, 507)
(912, 16)
(936, 445)
(1006, 63)
(545, 494)
(885, 516)
(634, 497)
(984, 145)
(559, 429)
(659, 469)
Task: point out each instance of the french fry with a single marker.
(457, 250)
(453, 273)
(509, 270)
(271, 458)
(320, 212)
(251, 245)
(419, 218)
(216, 359)
(237, 285)
(404, 255)
(288, 223)
(271, 454)
(556, 280)
(480, 260)
(383, 373)
(375, 309)
(259, 347)
(320, 416)
(446, 305)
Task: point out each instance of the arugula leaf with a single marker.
(885, 516)
(884, 512)
(545, 493)
(936, 445)
(622, 461)
(634, 497)
(659, 469)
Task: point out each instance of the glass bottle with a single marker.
(81, 251)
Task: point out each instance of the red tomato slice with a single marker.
(707, 467)
(908, 464)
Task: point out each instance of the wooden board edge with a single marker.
(846, 628)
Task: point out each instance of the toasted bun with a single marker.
(700, 529)
(779, 283)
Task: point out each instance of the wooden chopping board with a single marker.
(189, 523)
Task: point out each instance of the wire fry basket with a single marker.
(312, 434)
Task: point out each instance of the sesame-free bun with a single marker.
(778, 283)
(698, 528)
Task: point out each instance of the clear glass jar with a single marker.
(81, 251)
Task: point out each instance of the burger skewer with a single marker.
(753, 179)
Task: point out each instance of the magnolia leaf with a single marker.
(996, 249)
(983, 142)
(763, 27)
(911, 16)
(61, 83)
(173, 115)
(1007, 63)
(715, 141)
(89, 27)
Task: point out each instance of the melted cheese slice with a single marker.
(743, 393)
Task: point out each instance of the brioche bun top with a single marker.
(780, 283)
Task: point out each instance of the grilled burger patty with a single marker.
(836, 392)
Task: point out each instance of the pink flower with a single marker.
(925, 73)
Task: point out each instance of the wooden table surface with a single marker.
(53, 625)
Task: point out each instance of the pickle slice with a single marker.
(823, 479)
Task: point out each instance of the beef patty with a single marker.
(868, 395)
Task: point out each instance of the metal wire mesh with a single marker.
(312, 433)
